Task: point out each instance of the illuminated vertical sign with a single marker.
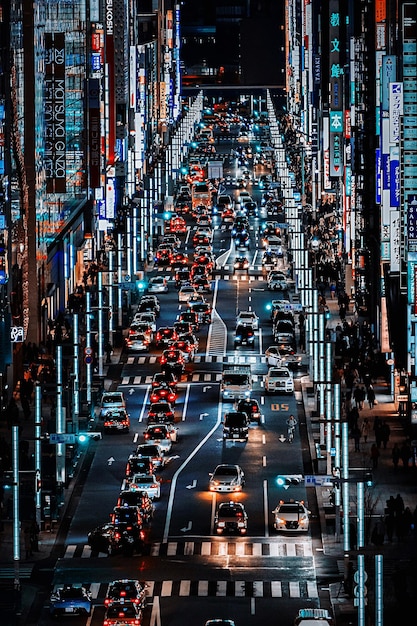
(336, 91)
(395, 111)
(54, 114)
(111, 91)
(94, 132)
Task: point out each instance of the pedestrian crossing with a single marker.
(247, 359)
(8, 571)
(285, 549)
(217, 588)
(196, 377)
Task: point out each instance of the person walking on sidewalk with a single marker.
(405, 453)
(371, 396)
(365, 429)
(385, 434)
(359, 395)
(374, 456)
(356, 434)
(396, 454)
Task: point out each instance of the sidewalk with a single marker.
(36, 571)
(399, 555)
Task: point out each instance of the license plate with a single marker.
(69, 609)
(235, 436)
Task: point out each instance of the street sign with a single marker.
(88, 351)
(312, 480)
(128, 286)
(88, 359)
(61, 438)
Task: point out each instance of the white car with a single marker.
(279, 380)
(248, 317)
(137, 342)
(291, 516)
(313, 617)
(161, 435)
(112, 401)
(146, 482)
(227, 478)
(147, 317)
(283, 356)
(158, 284)
(277, 281)
(186, 292)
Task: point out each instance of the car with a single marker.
(281, 338)
(186, 348)
(208, 249)
(277, 281)
(186, 323)
(164, 378)
(148, 306)
(123, 613)
(162, 410)
(70, 599)
(139, 499)
(279, 380)
(241, 263)
(110, 401)
(235, 426)
(283, 326)
(203, 311)
(313, 617)
(143, 328)
(182, 277)
(126, 514)
(251, 208)
(224, 201)
(148, 483)
(164, 335)
(162, 434)
(244, 335)
(153, 451)
(248, 317)
(228, 216)
(180, 259)
(242, 240)
(158, 284)
(163, 393)
(283, 355)
(269, 259)
(126, 590)
(117, 421)
(202, 284)
(163, 255)
(172, 361)
(137, 464)
(137, 342)
(171, 240)
(113, 538)
(198, 271)
(231, 517)
(291, 516)
(251, 407)
(227, 478)
(145, 317)
(177, 224)
(201, 239)
(185, 293)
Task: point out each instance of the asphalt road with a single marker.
(190, 571)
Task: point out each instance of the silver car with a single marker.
(227, 478)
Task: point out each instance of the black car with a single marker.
(172, 361)
(231, 517)
(114, 538)
(139, 499)
(203, 310)
(123, 613)
(241, 263)
(126, 513)
(244, 335)
(164, 378)
(242, 240)
(251, 408)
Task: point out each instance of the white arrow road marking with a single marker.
(206, 388)
(193, 485)
(203, 415)
(110, 460)
(131, 390)
(187, 528)
(282, 438)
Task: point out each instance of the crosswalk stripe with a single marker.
(220, 588)
(137, 380)
(208, 548)
(203, 587)
(240, 589)
(312, 590)
(276, 589)
(294, 589)
(185, 588)
(166, 589)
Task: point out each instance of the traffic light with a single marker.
(369, 481)
(84, 437)
(289, 480)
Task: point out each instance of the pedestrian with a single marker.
(342, 312)
(332, 290)
(356, 434)
(378, 533)
(399, 506)
(396, 454)
(378, 431)
(374, 456)
(359, 396)
(371, 396)
(108, 350)
(365, 429)
(385, 434)
(405, 453)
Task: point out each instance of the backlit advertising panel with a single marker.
(54, 99)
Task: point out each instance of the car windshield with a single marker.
(230, 510)
(226, 471)
(279, 374)
(72, 592)
(291, 508)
